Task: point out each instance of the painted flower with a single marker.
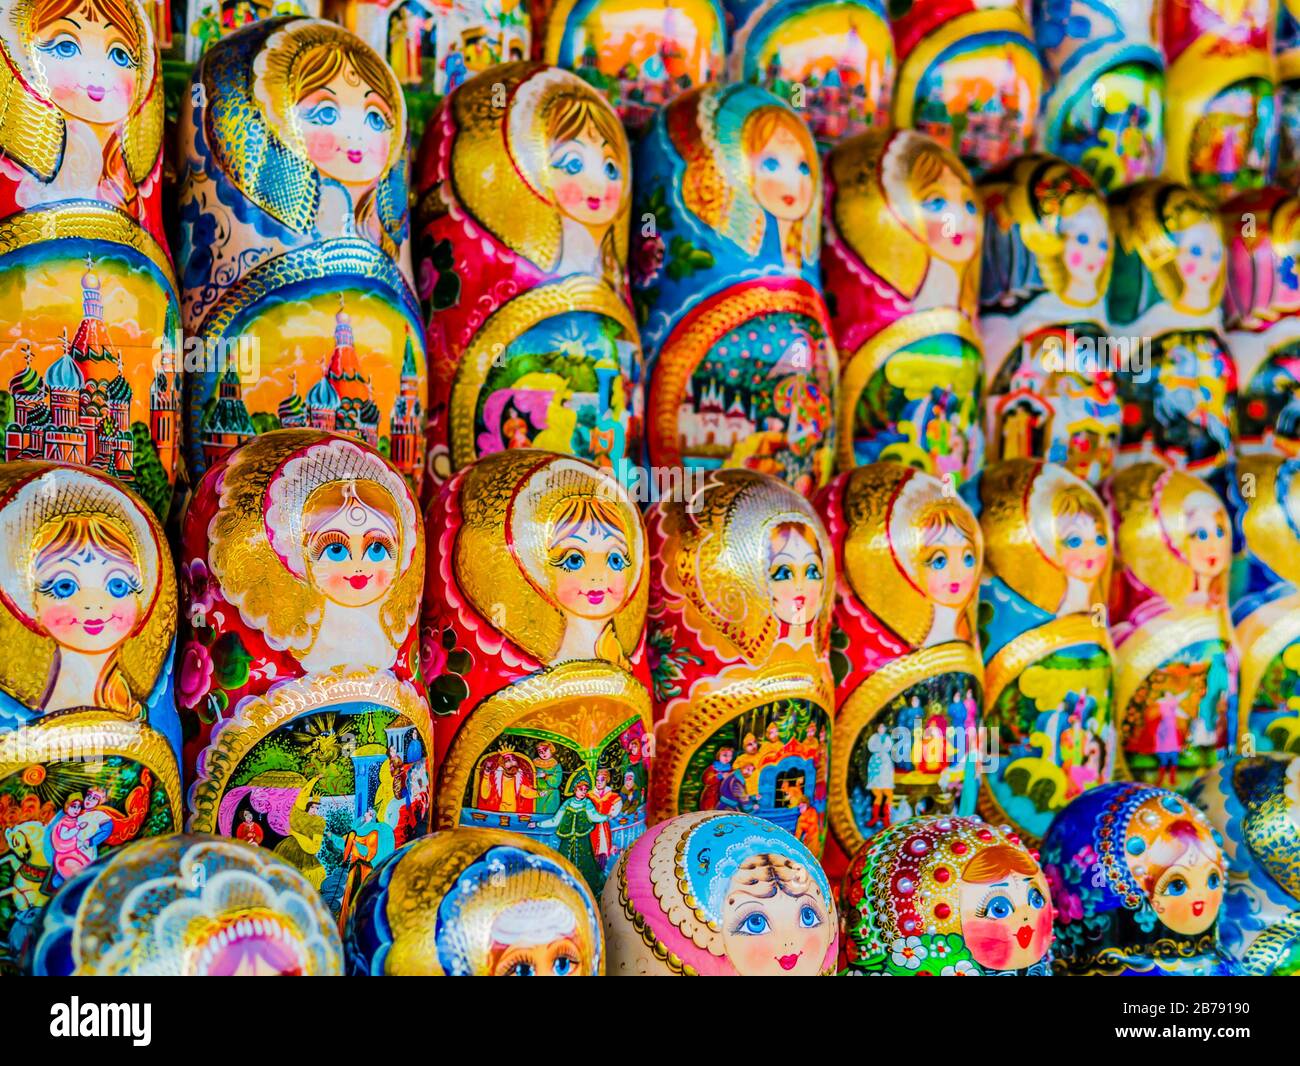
(195, 675)
(964, 968)
(648, 259)
(940, 949)
(198, 591)
(908, 952)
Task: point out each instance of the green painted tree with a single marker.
(150, 477)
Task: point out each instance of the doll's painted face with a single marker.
(91, 65)
(1199, 260)
(1181, 871)
(1087, 244)
(949, 216)
(949, 566)
(1208, 549)
(352, 542)
(1082, 548)
(782, 174)
(535, 938)
(87, 586)
(775, 919)
(587, 177)
(795, 577)
(591, 561)
(1006, 922)
(347, 127)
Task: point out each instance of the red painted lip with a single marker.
(93, 626)
(595, 597)
(954, 587)
(787, 199)
(1024, 935)
(1212, 559)
(358, 581)
(354, 156)
(95, 92)
(1198, 908)
(593, 202)
(788, 962)
(957, 239)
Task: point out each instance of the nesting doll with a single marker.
(187, 906)
(475, 903)
(1220, 94)
(901, 269)
(742, 368)
(1104, 108)
(968, 75)
(833, 61)
(1265, 500)
(293, 218)
(1042, 630)
(533, 648)
(534, 342)
(1176, 658)
(208, 21)
(89, 736)
(1047, 258)
(1254, 803)
(88, 291)
(1287, 51)
(719, 894)
(1137, 880)
(739, 636)
(639, 55)
(908, 675)
(1262, 308)
(308, 731)
(1177, 380)
(944, 896)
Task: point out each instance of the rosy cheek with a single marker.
(1188, 269)
(1043, 929)
(1076, 259)
(322, 146)
(614, 193)
(569, 193)
(988, 942)
(123, 620)
(58, 620)
(754, 956)
(124, 84)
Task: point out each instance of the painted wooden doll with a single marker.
(901, 269)
(1176, 658)
(89, 736)
(534, 342)
(739, 636)
(639, 53)
(969, 76)
(1176, 375)
(1254, 803)
(89, 294)
(832, 61)
(1265, 500)
(719, 894)
(209, 21)
(742, 368)
(1104, 108)
(909, 679)
(534, 652)
(1262, 308)
(1287, 52)
(1047, 258)
(1042, 629)
(944, 896)
(187, 905)
(293, 218)
(475, 903)
(1220, 94)
(1137, 880)
(302, 561)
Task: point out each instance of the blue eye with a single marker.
(782, 573)
(813, 572)
(805, 169)
(377, 552)
(612, 172)
(1176, 887)
(1074, 541)
(120, 57)
(522, 969)
(617, 561)
(336, 553)
(562, 966)
(1104, 246)
(998, 907)
(808, 917)
(1196, 250)
(1218, 532)
(939, 562)
(573, 562)
(1101, 540)
(63, 47)
(376, 121)
(570, 163)
(118, 587)
(62, 588)
(1213, 880)
(1084, 238)
(771, 164)
(323, 115)
(1202, 534)
(970, 207)
(968, 558)
(1036, 899)
(935, 204)
(753, 924)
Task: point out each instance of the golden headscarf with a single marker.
(1270, 534)
(1143, 217)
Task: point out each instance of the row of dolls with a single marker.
(1131, 880)
(895, 648)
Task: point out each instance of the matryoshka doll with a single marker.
(901, 269)
(533, 339)
(1042, 629)
(1287, 52)
(1047, 258)
(639, 54)
(1176, 375)
(294, 235)
(1220, 94)
(1105, 105)
(534, 651)
(908, 674)
(945, 896)
(1137, 880)
(1265, 500)
(89, 736)
(475, 903)
(308, 730)
(832, 60)
(1176, 658)
(1254, 803)
(969, 76)
(187, 905)
(742, 368)
(208, 21)
(739, 636)
(1262, 308)
(89, 293)
(719, 894)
